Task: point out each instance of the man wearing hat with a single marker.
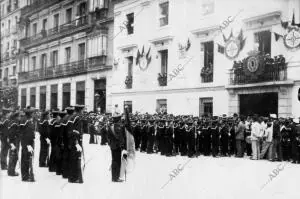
(117, 143)
(76, 153)
(44, 139)
(4, 138)
(14, 142)
(53, 135)
(27, 143)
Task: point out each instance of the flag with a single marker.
(137, 61)
(277, 36)
(128, 161)
(284, 24)
(293, 20)
(221, 49)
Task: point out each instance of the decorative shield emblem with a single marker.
(292, 39)
(143, 63)
(232, 49)
(252, 64)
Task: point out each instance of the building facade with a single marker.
(10, 15)
(196, 57)
(66, 56)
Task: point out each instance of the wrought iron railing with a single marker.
(162, 79)
(37, 5)
(128, 81)
(69, 27)
(62, 70)
(269, 70)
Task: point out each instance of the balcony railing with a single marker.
(37, 5)
(128, 81)
(162, 79)
(268, 71)
(207, 73)
(62, 70)
(69, 27)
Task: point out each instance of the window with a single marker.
(34, 29)
(68, 54)
(130, 64)
(164, 61)
(23, 98)
(80, 93)
(208, 7)
(44, 60)
(32, 97)
(164, 14)
(81, 51)
(130, 22)
(66, 97)
(264, 42)
(206, 107)
(129, 104)
(161, 106)
(33, 62)
(9, 25)
(54, 58)
(14, 70)
(44, 24)
(53, 97)
(69, 15)
(0, 73)
(43, 98)
(208, 64)
(56, 21)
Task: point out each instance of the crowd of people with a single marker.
(61, 136)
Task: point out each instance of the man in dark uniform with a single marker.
(224, 138)
(117, 143)
(215, 137)
(44, 140)
(14, 142)
(136, 133)
(4, 138)
(150, 138)
(67, 128)
(27, 143)
(206, 138)
(59, 129)
(53, 140)
(144, 137)
(176, 137)
(76, 153)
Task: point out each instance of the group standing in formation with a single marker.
(61, 138)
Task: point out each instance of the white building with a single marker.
(184, 36)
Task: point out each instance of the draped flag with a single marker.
(128, 159)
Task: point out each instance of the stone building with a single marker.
(207, 57)
(10, 15)
(66, 56)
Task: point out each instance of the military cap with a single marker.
(55, 113)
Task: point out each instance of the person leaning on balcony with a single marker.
(267, 143)
(255, 136)
(240, 137)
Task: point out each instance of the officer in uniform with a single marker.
(67, 129)
(206, 138)
(53, 140)
(44, 140)
(117, 143)
(14, 142)
(150, 138)
(136, 133)
(27, 142)
(4, 138)
(215, 137)
(144, 137)
(76, 153)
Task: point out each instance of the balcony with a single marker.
(37, 5)
(46, 35)
(162, 79)
(207, 73)
(267, 70)
(63, 70)
(128, 81)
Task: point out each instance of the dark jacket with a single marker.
(116, 136)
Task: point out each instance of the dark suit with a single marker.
(14, 138)
(4, 144)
